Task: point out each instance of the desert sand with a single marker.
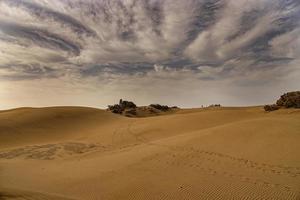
(210, 153)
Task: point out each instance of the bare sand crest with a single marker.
(85, 153)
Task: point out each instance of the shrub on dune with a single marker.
(287, 100)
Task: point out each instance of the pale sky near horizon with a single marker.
(187, 53)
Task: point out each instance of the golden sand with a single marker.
(86, 153)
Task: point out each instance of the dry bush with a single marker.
(160, 107)
(269, 108)
(121, 107)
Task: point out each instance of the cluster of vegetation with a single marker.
(271, 107)
(215, 105)
(122, 106)
(128, 108)
(160, 107)
(287, 100)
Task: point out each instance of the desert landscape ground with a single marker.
(206, 153)
(216, 87)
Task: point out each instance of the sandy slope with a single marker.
(85, 153)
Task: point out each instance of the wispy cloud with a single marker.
(152, 42)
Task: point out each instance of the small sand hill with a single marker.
(212, 153)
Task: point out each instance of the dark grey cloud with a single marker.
(206, 16)
(38, 36)
(44, 13)
(26, 71)
(117, 68)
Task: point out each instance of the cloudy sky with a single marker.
(177, 52)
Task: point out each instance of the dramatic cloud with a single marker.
(191, 52)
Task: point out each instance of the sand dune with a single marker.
(86, 153)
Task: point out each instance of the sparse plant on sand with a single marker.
(272, 107)
(160, 107)
(215, 105)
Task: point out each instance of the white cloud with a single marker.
(214, 43)
(287, 44)
(158, 68)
